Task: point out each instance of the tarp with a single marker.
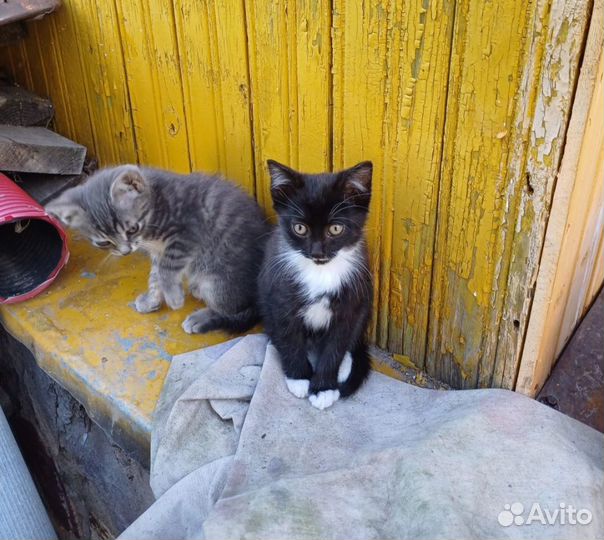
(393, 461)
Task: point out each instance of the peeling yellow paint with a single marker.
(86, 335)
(453, 101)
(404, 360)
(214, 73)
(151, 60)
(289, 56)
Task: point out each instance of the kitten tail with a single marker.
(361, 364)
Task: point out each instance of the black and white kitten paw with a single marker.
(324, 399)
(298, 387)
(147, 302)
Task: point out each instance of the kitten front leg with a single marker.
(150, 300)
(335, 351)
(323, 388)
(170, 269)
(294, 360)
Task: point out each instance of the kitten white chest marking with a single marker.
(320, 279)
(317, 316)
(154, 248)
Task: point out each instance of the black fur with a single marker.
(318, 201)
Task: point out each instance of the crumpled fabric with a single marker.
(235, 455)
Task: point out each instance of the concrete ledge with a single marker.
(91, 487)
(85, 335)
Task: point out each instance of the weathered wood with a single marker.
(39, 150)
(570, 243)
(18, 107)
(432, 92)
(152, 60)
(18, 10)
(502, 113)
(216, 87)
(542, 121)
(389, 98)
(45, 187)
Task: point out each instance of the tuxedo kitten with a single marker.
(315, 288)
(197, 227)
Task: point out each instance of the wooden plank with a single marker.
(91, 43)
(212, 45)
(39, 150)
(18, 10)
(45, 187)
(289, 55)
(390, 85)
(48, 62)
(574, 188)
(18, 107)
(592, 215)
(413, 127)
(597, 275)
(30, 70)
(533, 167)
(360, 45)
(490, 40)
(148, 38)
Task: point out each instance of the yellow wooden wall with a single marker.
(571, 270)
(461, 105)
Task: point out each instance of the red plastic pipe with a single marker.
(33, 245)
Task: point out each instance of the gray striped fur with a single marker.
(196, 227)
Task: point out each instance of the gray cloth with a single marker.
(22, 514)
(393, 461)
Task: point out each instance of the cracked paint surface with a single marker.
(462, 107)
(85, 334)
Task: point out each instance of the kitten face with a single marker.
(321, 213)
(110, 208)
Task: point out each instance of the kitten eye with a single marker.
(102, 243)
(133, 229)
(300, 229)
(335, 229)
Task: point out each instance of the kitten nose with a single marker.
(316, 251)
(124, 250)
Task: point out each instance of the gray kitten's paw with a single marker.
(198, 322)
(147, 302)
(175, 299)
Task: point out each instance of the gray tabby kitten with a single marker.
(197, 227)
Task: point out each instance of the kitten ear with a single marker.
(356, 181)
(67, 209)
(281, 175)
(283, 181)
(127, 187)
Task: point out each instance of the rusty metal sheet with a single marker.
(576, 385)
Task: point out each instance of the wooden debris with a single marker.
(18, 107)
(45, 187)
(19, 10)
(39, 150)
